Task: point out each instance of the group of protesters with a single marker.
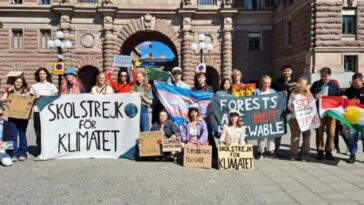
(194, 130)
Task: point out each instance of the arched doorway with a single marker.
(87, 75)
(212, 78)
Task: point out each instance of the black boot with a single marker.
(352, 159)
(320, 155)
(329, 156)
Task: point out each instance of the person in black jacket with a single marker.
(355, 92)
(325, 87)
(169, 128)
(6, 135)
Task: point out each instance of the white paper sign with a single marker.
(86, 125)
(306, 114)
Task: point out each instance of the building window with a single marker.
(45, 35)
(16, 1)
(207, 2)
(44, 1)
(289, 33)
(254, 41)
(348, 22)
(350, 63)
(17, 39)
(88, 1)
(254, 4)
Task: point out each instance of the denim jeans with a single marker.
(20, 126)
(144, 119)
(353, 140)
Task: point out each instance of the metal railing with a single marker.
(207, 2)
(88, 1)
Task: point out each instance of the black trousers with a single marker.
(36, 119)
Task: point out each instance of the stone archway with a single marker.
(212, 78)
(87, 75)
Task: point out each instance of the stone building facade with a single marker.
(247, 34)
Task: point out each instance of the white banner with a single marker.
(89, 126)
(306, 114)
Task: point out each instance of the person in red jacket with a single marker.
(123, 82)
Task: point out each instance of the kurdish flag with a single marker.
(349, 112)
(177, 100)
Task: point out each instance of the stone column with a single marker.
(187, 53)
(227, 52)
(108, 47)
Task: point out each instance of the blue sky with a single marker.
(156, 48)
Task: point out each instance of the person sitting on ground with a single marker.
(234, 132)
(71, 85)
(123, 84)
(19, 87)
(169, 128)
(225, 88)
(300, 92)
(194, 130)
(265, 89)
(6, 136)
(102, 86)
(200, 83)
(176, 79)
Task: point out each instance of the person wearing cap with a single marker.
(200, 83)
(194, 130)
(43, 87)
(176, 79)
(102, 86)
(71, 85)
(234, 132)
(6, 135)
(19, 87)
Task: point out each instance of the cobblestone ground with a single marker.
(105, 181)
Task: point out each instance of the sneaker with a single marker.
(329, 156)
(347, 151)
(14, 159)
(259, 156)
(22, 158)
(338, 150)
(352, 159)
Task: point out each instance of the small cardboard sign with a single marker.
(19, 106)
(150, 144)
(197, 156)
(122, 61)
(171, 145)
(238, 157)
(240, 90)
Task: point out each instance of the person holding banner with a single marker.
(200, 83)
(20, 88)
(194, 129)
(234, 132)
(43, 87)
(238, 88)
(123, 83)
(265, 89)
(71, 85)
(102, 86)
(141, 85)
(225, 88)
(325, 87)
(176, 79)
(6, 136)
(169, 128)
(355, 92)
(301, 91)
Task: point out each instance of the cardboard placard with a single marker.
(240, 90)
(197, 156)
(171, 145)
(238, 157)
(123, 61)
(150, 144)
(19, 106)
(306, 114)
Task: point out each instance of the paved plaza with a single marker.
(105, 181)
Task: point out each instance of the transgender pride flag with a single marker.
(177, 100)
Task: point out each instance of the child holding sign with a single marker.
(234, 132)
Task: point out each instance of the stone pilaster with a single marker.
(187, 53)
(108, 47)
(227, 48)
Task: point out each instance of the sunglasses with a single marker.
(177, 73)
(123, 75)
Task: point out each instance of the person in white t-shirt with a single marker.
(234, 132)
(43, 87)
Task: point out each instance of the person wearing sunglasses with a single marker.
(123, 83)
(176, 79)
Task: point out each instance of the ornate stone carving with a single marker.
(65, 18)
(108, 51)
(88, 40)
(187, 2)
(227, 54)
(228, 3)
(350, 2)
(148, 22)
(107, 19)
(187, 58)
(228, 20)
(107, 2)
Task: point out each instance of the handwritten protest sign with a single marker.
(306, 114)
(122, 61)
(19, 106)
(239, 157)
(171, 145)
(240, 90)
(86, 125)
(150, 144)
(262, 115)
(197, 156)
